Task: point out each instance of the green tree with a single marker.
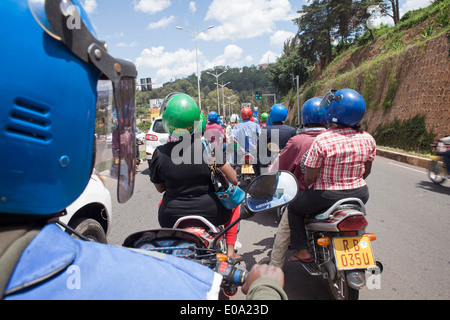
(287, 67)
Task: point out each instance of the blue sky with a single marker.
(245, 33)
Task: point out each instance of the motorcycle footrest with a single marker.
(312, 269)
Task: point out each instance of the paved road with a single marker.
(409, 215)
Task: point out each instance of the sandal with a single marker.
(294, 258)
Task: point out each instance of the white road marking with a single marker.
(399, 165)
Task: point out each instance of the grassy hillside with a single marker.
(376, 67)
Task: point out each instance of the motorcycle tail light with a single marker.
(353, 223)
(247, 159)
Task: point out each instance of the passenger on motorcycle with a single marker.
(214, 131)
(246, 135)
(277, 133)
(277, 116)
(446, 154)
(264, 117)
(338, 162)
(38, 260)
(292, 159)
(179, 170)
(231, 146)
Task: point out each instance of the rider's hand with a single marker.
(263, 271)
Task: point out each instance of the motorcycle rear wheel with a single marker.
(435, 172)
(340, 290)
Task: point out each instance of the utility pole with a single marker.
(217, 83)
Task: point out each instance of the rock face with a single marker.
(423, 87)
(397, 85)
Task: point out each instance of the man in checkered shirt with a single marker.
(337, 165)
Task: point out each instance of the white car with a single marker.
(91, 213)
(140, 136)
(155, 137)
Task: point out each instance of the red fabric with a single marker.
(231, 235)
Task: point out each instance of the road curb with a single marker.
(405, 158)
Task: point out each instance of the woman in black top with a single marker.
(187, 186)
(178, 169)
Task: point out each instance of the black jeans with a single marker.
(311, 202)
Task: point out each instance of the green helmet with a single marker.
(179, 114)
(201, 127)
(264, 117)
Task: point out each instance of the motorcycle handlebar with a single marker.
(231, 274)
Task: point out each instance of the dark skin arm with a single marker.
(311, 175)
(160, 187)
(367, 169)
(229, 173)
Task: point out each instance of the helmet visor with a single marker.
(116, 134)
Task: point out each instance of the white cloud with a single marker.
(127, 45)
(170, 65)
(115, 35)
(279, 38)
(232, 56)
(269, 57)
(151, 6)
(409, 5)
(89, 6)
(246, 19)
(182, 63)
(164, 22)
(405, 6)
(192, 7)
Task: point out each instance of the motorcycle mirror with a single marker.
(271, 190)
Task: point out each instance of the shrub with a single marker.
(410, 134)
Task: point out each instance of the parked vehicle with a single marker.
(155, 137)
(90, 215)
(341, 249)
(140, 136)
(437, 171)
(195, 238)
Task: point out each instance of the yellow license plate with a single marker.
(353, 253)
(247, 169)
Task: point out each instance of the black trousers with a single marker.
(311, 202)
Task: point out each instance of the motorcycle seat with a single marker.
(325, 214)
(196, 221)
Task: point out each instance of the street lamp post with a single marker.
(217, 83)
(195, 34)
(223, 99)
(229, 104)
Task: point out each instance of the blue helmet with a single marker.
(213, 117)
(278, 112)
(48, 97)
(346, 107)
(312, 113)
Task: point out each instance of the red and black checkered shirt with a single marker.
(341, 154)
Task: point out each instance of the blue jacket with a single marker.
(57, 266)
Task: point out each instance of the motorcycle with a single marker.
(341, 249)
(245, 171)
(437, 171)
(195, 238)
